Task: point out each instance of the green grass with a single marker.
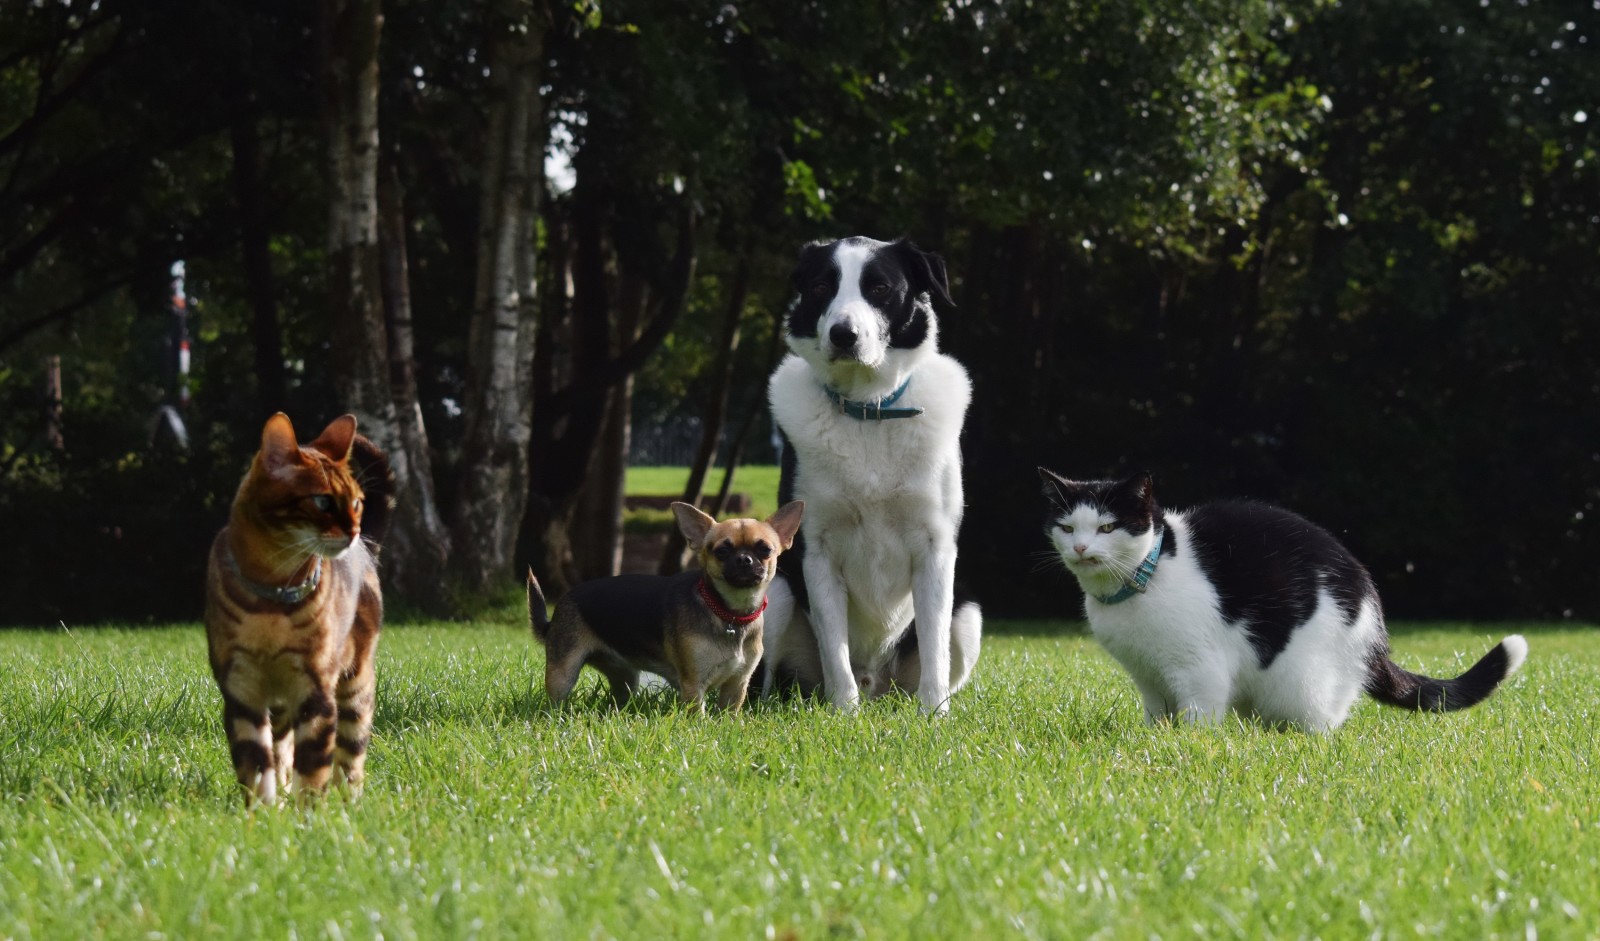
(1041, 807)
(760, 481)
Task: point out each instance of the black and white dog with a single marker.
(871, 417)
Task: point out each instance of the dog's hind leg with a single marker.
(620, 676)
(564, 659)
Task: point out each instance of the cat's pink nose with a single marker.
(1080, 548)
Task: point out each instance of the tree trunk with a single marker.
(498, 401)
(736, 446)
(256, 254)
(675, 556)
(418, 534)
(597, 535)
(568, 420)
(360, 344)
(54, 438)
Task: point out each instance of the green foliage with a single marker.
(1338, 256)
(1041, 807)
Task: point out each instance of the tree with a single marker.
(365, 358)
(500, 345)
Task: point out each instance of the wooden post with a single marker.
(53, 436)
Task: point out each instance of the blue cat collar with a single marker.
(1141, 575)
(874, 411)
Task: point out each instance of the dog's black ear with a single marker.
(926, 271)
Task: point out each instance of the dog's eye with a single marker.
(723, 551)
(763, 551)
(1107, 527)
(322, 502)
(820, 288)
(878, 290)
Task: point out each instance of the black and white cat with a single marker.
(1239, 604)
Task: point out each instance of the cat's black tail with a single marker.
(1391, 685)
(538, 612)
(372, 471)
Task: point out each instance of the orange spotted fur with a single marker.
(296, 673)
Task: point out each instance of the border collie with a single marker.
(870, 413)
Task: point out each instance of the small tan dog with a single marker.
(698, 629)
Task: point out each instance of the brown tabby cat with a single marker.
(293, 609)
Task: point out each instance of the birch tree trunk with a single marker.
(362, 348)
(498, 401)
(417, 534)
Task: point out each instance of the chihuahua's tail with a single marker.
(538, 613)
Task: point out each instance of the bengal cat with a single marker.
(293, 609)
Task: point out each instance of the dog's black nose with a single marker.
(843, 336)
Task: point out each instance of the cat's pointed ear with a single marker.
(278, 447)
(1055, 487)
(336, 439)
(1141, 488)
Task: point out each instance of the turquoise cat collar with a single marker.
(286, 595)
(1141, 575)
(874, 411)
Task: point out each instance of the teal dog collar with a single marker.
(874, 411)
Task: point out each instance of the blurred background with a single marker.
(1340, 256)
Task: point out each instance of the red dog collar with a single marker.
(718, 608)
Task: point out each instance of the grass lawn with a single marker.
(1040, 808)
(760, 481)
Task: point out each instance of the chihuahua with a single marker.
(698, 629)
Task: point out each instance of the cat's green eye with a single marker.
(1065, 528)
(322, 502)
(1106, 527)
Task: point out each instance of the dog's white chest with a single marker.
(880, 495)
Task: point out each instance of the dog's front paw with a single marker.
(933, 699)
(848, 702)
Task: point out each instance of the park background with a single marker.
(1340, 256)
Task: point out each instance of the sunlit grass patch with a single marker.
(1041, 807)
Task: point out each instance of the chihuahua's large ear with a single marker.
(278, 447)
(336, 439)
(693, 524)
(786, 522)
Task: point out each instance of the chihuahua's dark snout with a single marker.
(742, 570)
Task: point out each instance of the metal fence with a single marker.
(673, 441)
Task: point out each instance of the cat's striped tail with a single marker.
(538, 611)
(1391, 685)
